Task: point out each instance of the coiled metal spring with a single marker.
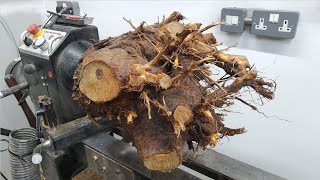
(21, 144)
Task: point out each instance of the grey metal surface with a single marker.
(125, 155)
(75, 131)
(210, 161)
(63, 164)
(106, 167)
(51, 164)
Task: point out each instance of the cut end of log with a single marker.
(99, 82)
(182, 116)
(214, 138)
(165, 81)
(163, 162)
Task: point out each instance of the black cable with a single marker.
(4, 177)
(4, 131)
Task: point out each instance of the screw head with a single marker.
(94, 157)
(104, 168)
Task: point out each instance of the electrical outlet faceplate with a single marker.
(279, 24)
(233, 19)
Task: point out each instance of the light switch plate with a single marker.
(233, 19)
(278, 24)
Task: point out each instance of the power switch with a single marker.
(233, 19)
(41, 43)
(27, 41)
(274, 18)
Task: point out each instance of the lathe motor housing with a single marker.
(50, 72)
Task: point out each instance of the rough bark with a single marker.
(156, 83)
(161, 150)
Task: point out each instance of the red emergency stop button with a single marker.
(33, 29)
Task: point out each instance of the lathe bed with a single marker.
(107, 154)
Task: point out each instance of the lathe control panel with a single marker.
(40, 42)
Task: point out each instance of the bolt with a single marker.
(117, 171)
(104, 168)
(95, 157)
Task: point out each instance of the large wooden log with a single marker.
(155, 82)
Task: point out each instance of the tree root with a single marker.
(155, 82)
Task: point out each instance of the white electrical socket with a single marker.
(261, 25)
(284, 27)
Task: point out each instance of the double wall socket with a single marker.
(278, 24)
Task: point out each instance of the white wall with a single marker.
(289, 149)
(108, 17)
(18, 15)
